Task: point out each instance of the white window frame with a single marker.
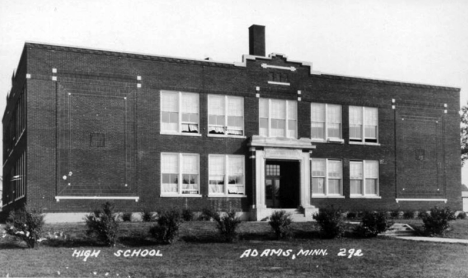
(286, 127)
(363, 180)
(226, 176)
(226, 117)
(180, 176)
(327, 138)
(327, 178)
(179, 113)
(362, 140)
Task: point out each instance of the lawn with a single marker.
(199, 253)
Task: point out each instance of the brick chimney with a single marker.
(257, 40)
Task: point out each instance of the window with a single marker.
(327, 178)
(278, 118)
(226, 175)
(179, 112)
(225, 115)
(179, 174)
(364, 177)
(326, 122)
(363, 124)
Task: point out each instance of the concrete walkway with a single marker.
(434, 239)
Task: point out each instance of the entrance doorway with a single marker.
(282, 184)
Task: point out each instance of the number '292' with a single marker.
(350, 253)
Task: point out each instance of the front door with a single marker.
(272, 190)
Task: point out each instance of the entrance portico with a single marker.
(281, 175)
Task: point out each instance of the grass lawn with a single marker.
(199, 253)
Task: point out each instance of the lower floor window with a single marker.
(179, 174)
(364, 178)
(327, 177)
(226, 175)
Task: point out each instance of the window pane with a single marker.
(216, 105)
(334, 169)
(355, 131)
(292, 129)
(236, 106)
(371, 186)
(263, 109)
(189, 164)
(236, 165)
(334, 186)
(169, 163)
(169, 101)
(370, 116)
(318, 167)
(355, 170)
(318, 130)
(189, 103)
(263, 127)
(278, 109)
(356, 187)
(334, 130)
(216, 166)
(318, 186)
(292, 110)
(372, 169)
(317, 112)
(334, 113)
(355, 115)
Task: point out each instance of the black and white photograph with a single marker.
(204, 138)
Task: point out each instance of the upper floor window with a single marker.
(363, 124)
(225, 115)
(226, 175)
(179, 112)
(327, 178)
(364, 178)
(278, 118)
(179, 174)
(326, 122)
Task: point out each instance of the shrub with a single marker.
(461, 215)
(351, 215)
(227, 225)
(408, 214)
(437, 221)
(372, 224)
(330, 221)
(127, 216)
(187, 214)
(147, 216)
(422, 214)
(280, 222)
(206, 214)
(395, 214)
(167, 227)
(25, 225)
(102, 225)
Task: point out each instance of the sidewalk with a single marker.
(433, 239)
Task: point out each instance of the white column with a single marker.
(260, 178)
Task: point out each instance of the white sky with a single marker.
(420, 41)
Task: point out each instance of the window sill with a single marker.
(364, 143)
(327, 196)
(226, 136)
(279, 83)
(364, 197)
(19, 198)
(329, 140)
(183, 134)
(227, 196)
(181, 195)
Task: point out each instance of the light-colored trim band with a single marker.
(421, 200)
(58, 198)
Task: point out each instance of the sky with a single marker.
(418, 41)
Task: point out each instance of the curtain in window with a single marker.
(370, 122)
(318, 167)
(235, 115)
(372, 176)
(278, 118)
(216, 172)
(334, 121)
(334, 177)
(355, 169)
(355, 122)
(318, 120)
(318, 185)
